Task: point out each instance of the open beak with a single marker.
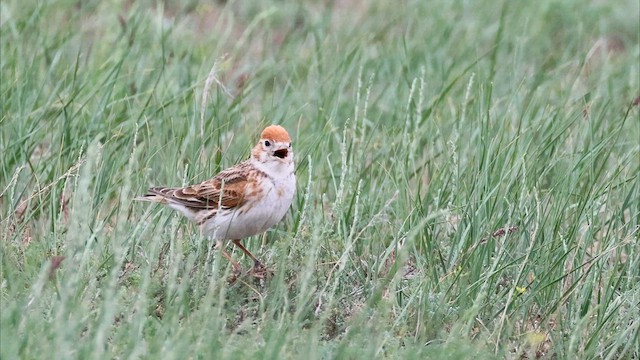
(282, 153)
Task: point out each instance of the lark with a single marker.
(241, 201)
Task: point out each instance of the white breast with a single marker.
(260, 215)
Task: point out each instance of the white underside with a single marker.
(264, 213)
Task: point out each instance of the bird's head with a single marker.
(274, 147)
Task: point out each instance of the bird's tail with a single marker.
(156, 195)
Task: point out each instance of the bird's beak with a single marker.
(281, 153)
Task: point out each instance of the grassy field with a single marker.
(468, 178)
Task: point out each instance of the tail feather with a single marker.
(156, 194)
(151, 198)
(164, 196)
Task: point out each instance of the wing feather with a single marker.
(226, 190)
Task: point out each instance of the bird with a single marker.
(242, 201)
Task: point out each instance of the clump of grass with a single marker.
(468, 179)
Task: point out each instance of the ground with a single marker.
(468, 178)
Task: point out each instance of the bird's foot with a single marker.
(259, 271)
(235, 273)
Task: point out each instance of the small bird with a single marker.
(243, 200)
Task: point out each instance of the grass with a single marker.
(467, 178)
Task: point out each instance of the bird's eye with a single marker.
(267, 143)
(289, 144)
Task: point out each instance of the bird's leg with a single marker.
(236, 267)
(256, 262)
(237, 270)
(234, 263)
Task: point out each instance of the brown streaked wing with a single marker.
(207, 195)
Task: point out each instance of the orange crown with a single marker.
(276, 133)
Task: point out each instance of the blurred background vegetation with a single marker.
(468, 178)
